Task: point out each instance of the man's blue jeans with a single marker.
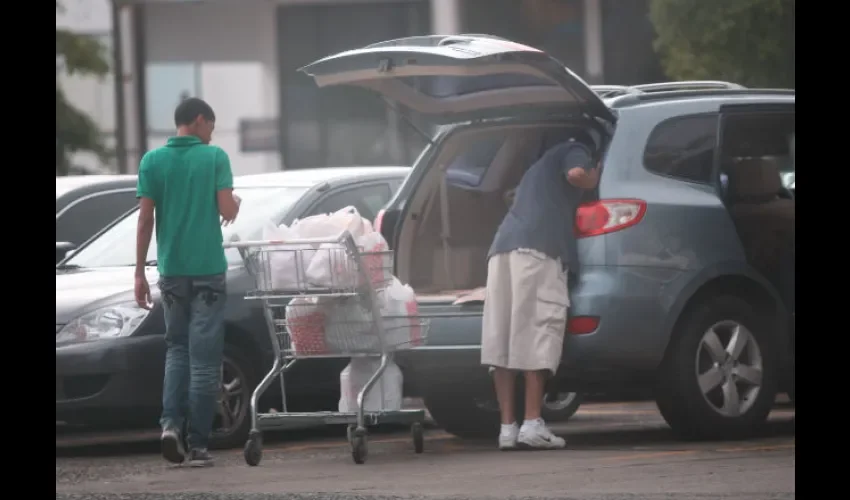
(194, 336)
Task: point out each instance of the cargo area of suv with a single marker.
(460, 202)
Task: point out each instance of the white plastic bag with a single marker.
(315, 226)
(386, 394)
(349, 327)
(287, 264)
(331, 225)
(305, 323)
(402, 328)
(331, 266)
(378, 265)
(349, 219)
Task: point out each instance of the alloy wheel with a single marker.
(232, 403)
(729, 368)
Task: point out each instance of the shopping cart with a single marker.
(350, 285)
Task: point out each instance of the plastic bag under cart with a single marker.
(338, 317)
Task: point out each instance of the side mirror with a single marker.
(64, 249)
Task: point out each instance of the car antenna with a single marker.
(408, 120)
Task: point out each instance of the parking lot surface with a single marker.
(615, 451)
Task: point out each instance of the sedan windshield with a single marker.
(117, 246)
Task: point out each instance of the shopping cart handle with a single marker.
(299, 241)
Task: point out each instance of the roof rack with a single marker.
(688, 85)
(636, 97)
(609, 91)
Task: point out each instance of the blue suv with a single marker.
(686, 247)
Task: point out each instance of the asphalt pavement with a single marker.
(615, 452)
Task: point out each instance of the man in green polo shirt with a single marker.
(187, 187)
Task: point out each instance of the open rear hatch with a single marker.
(464, 77)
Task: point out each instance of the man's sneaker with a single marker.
(172, 446)
(200, 458)
(536, 436)
(508, 436)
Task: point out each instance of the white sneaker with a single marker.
(535, 435)
(508, 437)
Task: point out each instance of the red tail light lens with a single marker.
(376, 224)
(582, 325)
(607, 216)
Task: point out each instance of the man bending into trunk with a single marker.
(525, 306)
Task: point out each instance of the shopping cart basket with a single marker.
(326, 274)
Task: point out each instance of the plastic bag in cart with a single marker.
(287, 264)
(330, 225)
(349, 327)
(385, 395)
(403, 328)
(378, 265)
(305, 322)
(333, 267)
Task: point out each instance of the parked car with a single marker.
(110, 353)
(85, 204)
(670, 294)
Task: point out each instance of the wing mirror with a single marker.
(64, 249)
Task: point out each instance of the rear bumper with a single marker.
(626, 348)
(93, 377)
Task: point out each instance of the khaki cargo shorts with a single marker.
(525, 311)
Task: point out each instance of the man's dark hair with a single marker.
(189, 109)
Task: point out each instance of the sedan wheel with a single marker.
(233, 415)
(232, 399)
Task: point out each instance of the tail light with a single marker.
(376, 224)
(582, 325)
(607, 216)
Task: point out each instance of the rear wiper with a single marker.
(63, 267)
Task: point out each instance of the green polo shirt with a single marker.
(182, 178)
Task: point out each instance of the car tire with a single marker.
(235, 363)
(560, 407)
(695, 413)
(471, 414)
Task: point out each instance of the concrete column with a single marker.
(131, 123)
(268, 57)
(445, 17)
(593, 55)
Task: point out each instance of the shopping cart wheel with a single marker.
(254, 449)
(418, 437)
(359, 447)
(349, 432)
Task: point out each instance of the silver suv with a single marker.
(686, 247)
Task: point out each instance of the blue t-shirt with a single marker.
(542, 216)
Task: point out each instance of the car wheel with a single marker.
(233, 412)
(719, 377)
(474, 414)
(560, 406)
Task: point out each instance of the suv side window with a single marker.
(84, 218)
(368, 200)
(683, 148)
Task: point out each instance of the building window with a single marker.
(555, 26)
(341, 126)
(167, 84)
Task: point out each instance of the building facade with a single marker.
(243, 56)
